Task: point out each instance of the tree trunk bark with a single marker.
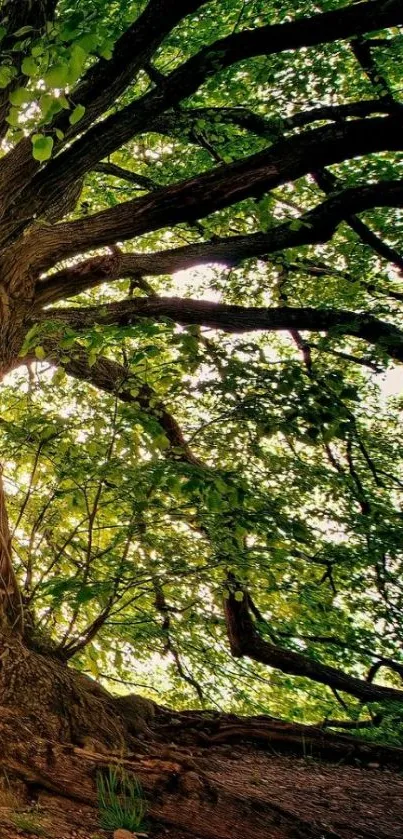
(214, 791)
(11, 606)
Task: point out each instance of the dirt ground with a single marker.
(306, 798)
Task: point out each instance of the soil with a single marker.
(301, 798)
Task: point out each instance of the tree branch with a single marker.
(384, 662)
(362, 51)
(111, 377)
(221, 187)
(179, 123)
(108, 79)
(315, 226)
(329, 184)
(245, 640)
(105, 269)
(141, 181)
(107, 136)
(235, 319)
(100, 86)
(11, 604)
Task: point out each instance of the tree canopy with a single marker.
(201, 289)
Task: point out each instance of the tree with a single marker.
(200, 266)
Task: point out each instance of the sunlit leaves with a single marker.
(20, 96)
(57, 76)
(296, 469)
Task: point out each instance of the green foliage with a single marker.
(121, 801)
(122, 545)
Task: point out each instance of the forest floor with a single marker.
(299, 798)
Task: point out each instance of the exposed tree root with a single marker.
(183, 787)
(58, 729)
(280, 736)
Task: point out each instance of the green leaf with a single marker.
(50, 105)
(42, 147)
(92, 356)
(106, 51)
(21, 96)
(88, 42)
(59, 376)
(13, 116)
(6, 75)
(57, 76)
(67, 342)
(64, 103)
(29, 67)
(77, 114)
(76, 64)
(29, 340)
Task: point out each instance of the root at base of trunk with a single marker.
(63, 705)
(217, 792)
(58, 729)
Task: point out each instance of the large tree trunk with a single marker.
(11, 606)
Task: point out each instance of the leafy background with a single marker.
(122, 548)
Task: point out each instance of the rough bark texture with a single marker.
(245, 640)
(11, 607)
(186, 789)
(205, 773)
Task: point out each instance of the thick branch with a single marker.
(245, 640)
(107, 79)
(315, 226)
(271, 128)
(235, 319)
(101, 85)
(221, 187)
(117, 129)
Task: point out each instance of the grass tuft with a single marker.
(28, 823)
(121, 801)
